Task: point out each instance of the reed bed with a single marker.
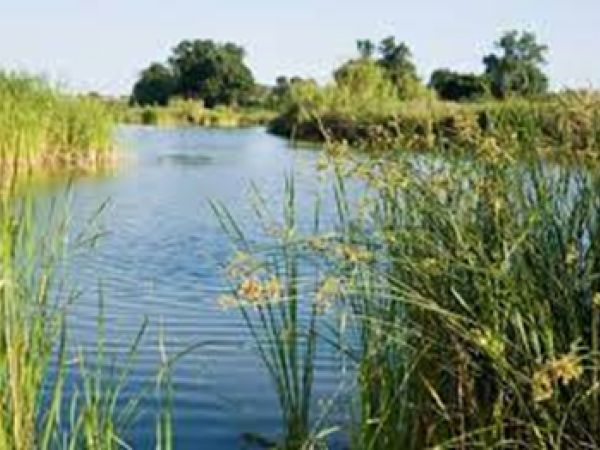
(480, 324)
(563, 123)
(52, 395)
(41, 127)
(193, 113)
(463, 294)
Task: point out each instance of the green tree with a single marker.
(517, 70)
(282, 86)
(457, 87)
(390, 60)
(396, 59)
(366, 48)
(363, 75)
(155, 86)
(212, 72)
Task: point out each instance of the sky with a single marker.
(102, 45)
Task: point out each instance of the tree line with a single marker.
(202, 70)
(216, 74)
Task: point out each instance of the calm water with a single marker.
(160, 260)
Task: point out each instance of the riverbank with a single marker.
(43, 128)
(191, 113)
(560, 122)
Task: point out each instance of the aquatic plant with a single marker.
(192, 113)
(557, 124)
(51, 394)
(467, 290)
(41, 127)
(269, 287)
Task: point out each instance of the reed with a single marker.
(53, 396)
(193, 113)
(467, 292)
(479, 327)
(269, 285)
(560, 124)
(41, 127)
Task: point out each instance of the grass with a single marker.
(42, 127)
(268, 286)
(559, 123)
(192, 113)
(47, 400)
(482, 329)
(465, 292)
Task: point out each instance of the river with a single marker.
(159, 259)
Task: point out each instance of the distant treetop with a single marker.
(204, 70)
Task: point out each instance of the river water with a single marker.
(158, 260)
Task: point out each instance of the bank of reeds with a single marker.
(464, 292)
(53, 395)
(42, 127)
(193, 113)
(566, 122)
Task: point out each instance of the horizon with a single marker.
(102, 47)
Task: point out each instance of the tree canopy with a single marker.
(203, 70)
(517, 69)
(156, 86)
(396, 59)
(390, 59)
(457, 87)
(216, 74)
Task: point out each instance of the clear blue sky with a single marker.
(102, 44)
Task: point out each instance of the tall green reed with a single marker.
(270, 286)
(479, 326)
(41, 127)
(48, 399)
(469, 292)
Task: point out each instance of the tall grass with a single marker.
(485, 307)
(51, 395)
(563, 123)
(193, 113)
(42, 127)
(469, 290)
(268, 285)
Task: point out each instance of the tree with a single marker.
(517, 70)
(155, 86)
(362, 75)
(390, 60)
(202, 70)
(457, 87)
(366, 48)
(282, 86)
(214, 73)
(396, 59)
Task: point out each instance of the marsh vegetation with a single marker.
(41, 127)
(461, 294)
(447, 267)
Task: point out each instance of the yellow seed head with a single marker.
(251, 290)
(542, 386)
(272, 289)
(596, 300)
(328, 292)
(227, 301)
